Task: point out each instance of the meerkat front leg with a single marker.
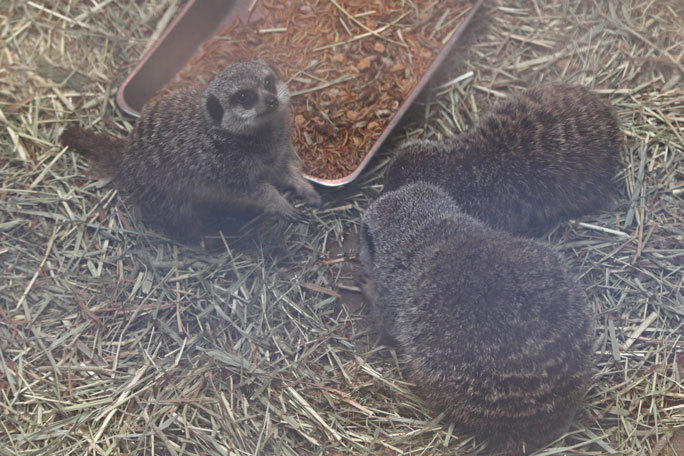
(293, 179)
(267, 197)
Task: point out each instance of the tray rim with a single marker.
(120, 92)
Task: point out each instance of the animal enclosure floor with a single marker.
(116, 341)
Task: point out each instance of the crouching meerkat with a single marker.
(225, 146)
(541, 156)
(491, 327)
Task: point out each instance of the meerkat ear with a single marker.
(274, 69)
(367, 239)
(213, 108)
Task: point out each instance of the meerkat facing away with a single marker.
(227, 145)
(547, 154)
(491, 327)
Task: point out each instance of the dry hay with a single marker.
(115, 341)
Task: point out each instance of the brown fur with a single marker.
(492, 328)
(196, 153)
(539, 157)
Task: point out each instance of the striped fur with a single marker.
(197, 154)
(492, 328)
(547, 154)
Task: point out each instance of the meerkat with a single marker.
(491, 327)
(542, 156)
(224, 146)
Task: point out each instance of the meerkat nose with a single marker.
(271, 102)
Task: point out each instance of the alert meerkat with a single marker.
(198, 150)
(491, 327)
(544, 155)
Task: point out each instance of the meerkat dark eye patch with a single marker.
(270, 83)
(245, 98)
(214, 108)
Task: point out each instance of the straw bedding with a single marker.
(115, 340)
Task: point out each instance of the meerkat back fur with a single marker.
(227, 145)
(539, 157)
(491, 327)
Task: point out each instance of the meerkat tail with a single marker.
(103, 152)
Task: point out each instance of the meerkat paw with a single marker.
(312, 198)
(293, 215)
(286, 211)
(273, 202)
(307, 192)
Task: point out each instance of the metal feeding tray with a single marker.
(197, 22)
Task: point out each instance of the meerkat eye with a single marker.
(245, 98)
(270, 84)
(214, 108)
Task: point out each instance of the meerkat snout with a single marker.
(271, 103)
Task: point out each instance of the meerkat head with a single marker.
(245, 96)
(394, 221)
